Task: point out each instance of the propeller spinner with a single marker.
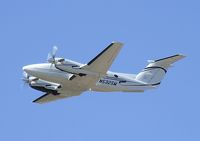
(52, 57)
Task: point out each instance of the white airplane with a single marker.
(62, 78)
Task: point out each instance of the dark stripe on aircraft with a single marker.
(156, 84)
(99, 54)
(155, 67)
(80, 74)
(41, 97)
(65, 70)
(166, 58)
(72, 65)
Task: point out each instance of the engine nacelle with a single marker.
(74, 68)
(45, 86)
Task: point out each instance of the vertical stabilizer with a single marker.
(156, 70)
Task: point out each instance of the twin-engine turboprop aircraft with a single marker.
(62, 78)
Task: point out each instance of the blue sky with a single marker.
(81, 29)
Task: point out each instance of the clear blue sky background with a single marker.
(150, 29)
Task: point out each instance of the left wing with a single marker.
(49, 97)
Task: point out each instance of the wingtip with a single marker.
(182, 55)
(175, 57)
(117, 42)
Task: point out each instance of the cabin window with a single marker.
(123, 81)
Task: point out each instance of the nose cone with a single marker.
(28, 68)
(25, 68)
(37, 70)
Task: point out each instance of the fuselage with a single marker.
(62, 78)
(61, 74)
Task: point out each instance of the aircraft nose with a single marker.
(28, 69)
(25, 68)
(36, 69)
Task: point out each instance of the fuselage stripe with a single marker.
(155, 67)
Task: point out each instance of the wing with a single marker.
(102, 62)
(49, 97)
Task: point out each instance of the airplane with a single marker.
(61, 78)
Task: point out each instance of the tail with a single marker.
(156, 70)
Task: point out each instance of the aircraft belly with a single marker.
(107, 88)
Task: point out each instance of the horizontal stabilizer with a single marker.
(166, 62)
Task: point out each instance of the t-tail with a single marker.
(156, 70)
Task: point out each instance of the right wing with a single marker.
(49, 97)
(102, 62)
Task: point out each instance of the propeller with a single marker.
(52, 55)
(28, 79)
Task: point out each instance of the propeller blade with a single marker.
(55, 49)
(25, 78)
(52, 55)
(49, 56)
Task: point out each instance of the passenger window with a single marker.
(124, 81)
(116, 76)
